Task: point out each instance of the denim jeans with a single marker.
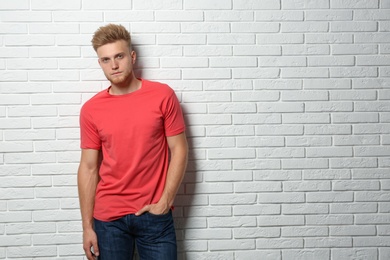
(153, 235)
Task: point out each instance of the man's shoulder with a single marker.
(158, 86)
(94, 99)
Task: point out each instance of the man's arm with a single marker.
(179, 155)
(87, 179)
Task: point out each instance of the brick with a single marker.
(13, 28)
(256, 50)
(263, 243)
(56, 239)
(328, 242)
(233, 38)
(15, 170)
(167, 15)
(206, 73)
(370, 173)
(241, 244)
(372, 37)
(221, 222)
(256, 164)
(228, 85)
(208, 234)
(208, 255)
(304, 231)
(295, 209)
(13, 76)
(205, 5)
(329, 106)
(354, 4)
(347, 253)
(225, 15)
(279, 130)
(260, 141)
(330, 197)
(371, 241)
(353, 72)
(258, 254)
(231, 154)
(330, 38)
(239, 119)
(199, 51)
(280, 15)
(372, 196)
(305, 163)
(304, 27)
(349, 49)
(233, 108)
(302, 4)
(255, 210)
(353, 231)
(356, 140)
(331, 61)
(328, 129)
(282, 62)
(291, 38)
(280, 152)
(277, 84)
(30, 40)
(353, 27)
(326, 174)
(277, 107)
(207, 211)
(30, 228)
(104, 5)
(353, 208)
(15, 5)
(264, 73)
(253, 4)
(181, 39)
(277, 175)
(306, 49)
(304, 73)
(230, 131)
(74, 16)
(328, 15)
(157, 5)
(49, 5)
(264, 221)
(291, 186)
(228, 176)
(233, 62)
(353, 95)
(290, 197)
(307, 118)
(319, 254)
(255, 187)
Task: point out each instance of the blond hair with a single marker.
(110, 33)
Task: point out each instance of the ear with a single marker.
(133, 55)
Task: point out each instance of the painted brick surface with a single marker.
(287, 105)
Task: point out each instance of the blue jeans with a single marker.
(153, 235)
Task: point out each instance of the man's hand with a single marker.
(156, 209)
(90, 245)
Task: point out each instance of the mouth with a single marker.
(116, 73)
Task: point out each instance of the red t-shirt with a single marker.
(131, 131)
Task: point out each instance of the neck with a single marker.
(131, 85)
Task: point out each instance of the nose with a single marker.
(114, 65)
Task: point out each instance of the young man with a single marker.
(133, 158)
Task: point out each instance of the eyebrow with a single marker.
(116, 55)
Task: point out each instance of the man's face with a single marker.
(117, 62)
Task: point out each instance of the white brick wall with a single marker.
(288, 111)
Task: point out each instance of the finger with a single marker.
(143, 210)
(95, 248)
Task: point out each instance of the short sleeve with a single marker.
(173, 116)
(89, 136)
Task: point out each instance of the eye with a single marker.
(120, 56)
(105, 60)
